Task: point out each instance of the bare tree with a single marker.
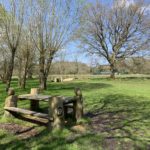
(4, 57)
(114, 32)
(25, 58)
(52, 25)
(11, 24)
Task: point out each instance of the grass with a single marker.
(118, 110)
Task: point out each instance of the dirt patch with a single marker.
(111, 127)
(22, 132)
(106, 122)
(79, 128)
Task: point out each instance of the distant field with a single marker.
(82, 76)
(89, 76)
(117, 111)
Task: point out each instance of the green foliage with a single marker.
(120, 109)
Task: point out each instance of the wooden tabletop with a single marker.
(37, 97)
(40, 97)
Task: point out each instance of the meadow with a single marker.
(117, 114)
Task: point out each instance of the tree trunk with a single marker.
(43, 78)
(113, 71)
(20, 72)
(10, 69)
(29, 74)
(43, 82)
(3, 76)
(44, 72)
(23, 82)
(24, 76)
(19, 81)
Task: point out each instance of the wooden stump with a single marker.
(61, 79)
(34, 91)
(34, 105)
(58, 79)
(56, 112)
(10, 101)
(55, 79)
(78, 105)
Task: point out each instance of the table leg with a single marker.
(65, 112)
(74, 110)
(34, 105)
(56, 111)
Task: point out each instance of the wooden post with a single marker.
(78, 105)
(55, 79)
(34, 91)
(61, 79)
(56, 111)
(34, 105)
(10, 101)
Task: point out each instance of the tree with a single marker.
(52, 25)
(11, 24)
(25, 58)
(114, 32)
(4, 57)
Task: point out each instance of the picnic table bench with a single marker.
(27, 112)
(57, 106)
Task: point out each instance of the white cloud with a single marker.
(125, 3)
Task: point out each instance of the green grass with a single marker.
(120, 109)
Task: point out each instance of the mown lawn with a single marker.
(118, 114)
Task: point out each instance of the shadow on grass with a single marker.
(83, 85)
(122, 117)
(55, 87)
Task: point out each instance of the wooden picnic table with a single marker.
(57, 106)
(35, 99)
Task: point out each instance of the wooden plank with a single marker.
(27, 112)
(70, 105)
(46, 98)
(68, 100)
(37, 97)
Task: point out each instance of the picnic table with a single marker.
(35, 99)
(57, 106)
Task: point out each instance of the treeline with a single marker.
(134, 65)
(69, 68)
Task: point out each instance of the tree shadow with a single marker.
(83, 85)
(120, 117)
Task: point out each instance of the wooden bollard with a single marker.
(78, 105)
(61, 79)
(55, 79)
(34, 105)
(10, 101)
(34, 91)
(56, 112)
